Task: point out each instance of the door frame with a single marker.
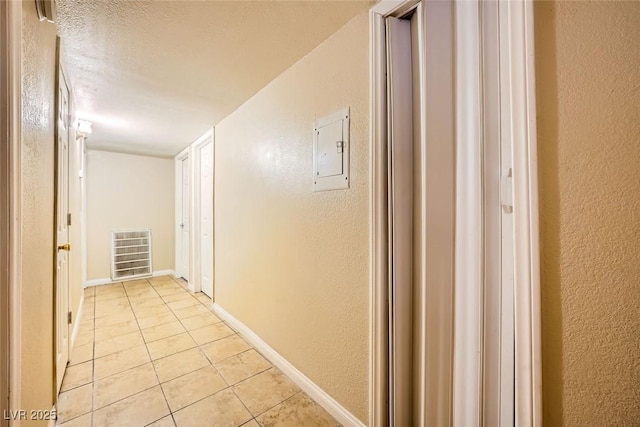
(518, 84)
(60, 74)
(179, 158)
(11, 201)
(195, 256)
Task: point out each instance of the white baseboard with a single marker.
(164, 273)
(97, 282)
(76, 323)
(338, 411)
(108, 281)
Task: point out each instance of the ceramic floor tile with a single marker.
(119, 343)
(104, 311)
(73, 403)
(211, 333)
(139, 304)
(200, 321)
(187, 302)
(225, 347)
(265, 390)
(138, 410)
(161, 279)
(118, 329)
(81, 354)
(120, 296)
(204, 299)
(120, 361)
(151, 311)
(178, 364)
(221, 409)
(157, 319)
(86, 337)
(242, 366)
(194, 310)
(122, 317)
(81, 421)
(299, 410)
(89, 292)
(170, 345)
(124, 384)
(145, 363)
(164, 422)
(165, 330)
(77, 375)
(182, 296)
(135, 282)
(190, 388)
(169, 290)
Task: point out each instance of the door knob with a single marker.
(65, 247)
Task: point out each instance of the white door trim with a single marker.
(11, 64)
(518, 76)
(469, 251)
(195, 255)
(179, 158)
(516, 44)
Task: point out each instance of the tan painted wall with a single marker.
(588, 89)
(291, 264)
(126, 191)
(39, 47)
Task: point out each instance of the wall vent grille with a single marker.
(130, 254)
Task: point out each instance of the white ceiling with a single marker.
(154, 75)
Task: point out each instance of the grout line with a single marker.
(151, 360)
(197, 346)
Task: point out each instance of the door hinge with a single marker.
(68, 219)
(69, 317)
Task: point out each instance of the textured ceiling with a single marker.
(154, 75)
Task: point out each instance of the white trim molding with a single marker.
(11, 64)
(108, 280)
(334, 408)
(469, 253)
(518, 87)
(76, 323)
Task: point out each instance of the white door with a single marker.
(184, 212)
(400, 164)
(62, 231)
(206, 218)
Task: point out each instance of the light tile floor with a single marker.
(150, 353)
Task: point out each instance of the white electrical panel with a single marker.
(331, 152)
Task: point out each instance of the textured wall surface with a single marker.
(127, 192)
(588, 90)
(38, 89)
(291, 264)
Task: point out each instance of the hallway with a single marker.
(149, 352)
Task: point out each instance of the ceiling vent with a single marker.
(46, 10)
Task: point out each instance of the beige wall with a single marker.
(126, 191)
(39, 47)
(588, 89)
(291, 264)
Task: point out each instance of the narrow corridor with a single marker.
(151, 353)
